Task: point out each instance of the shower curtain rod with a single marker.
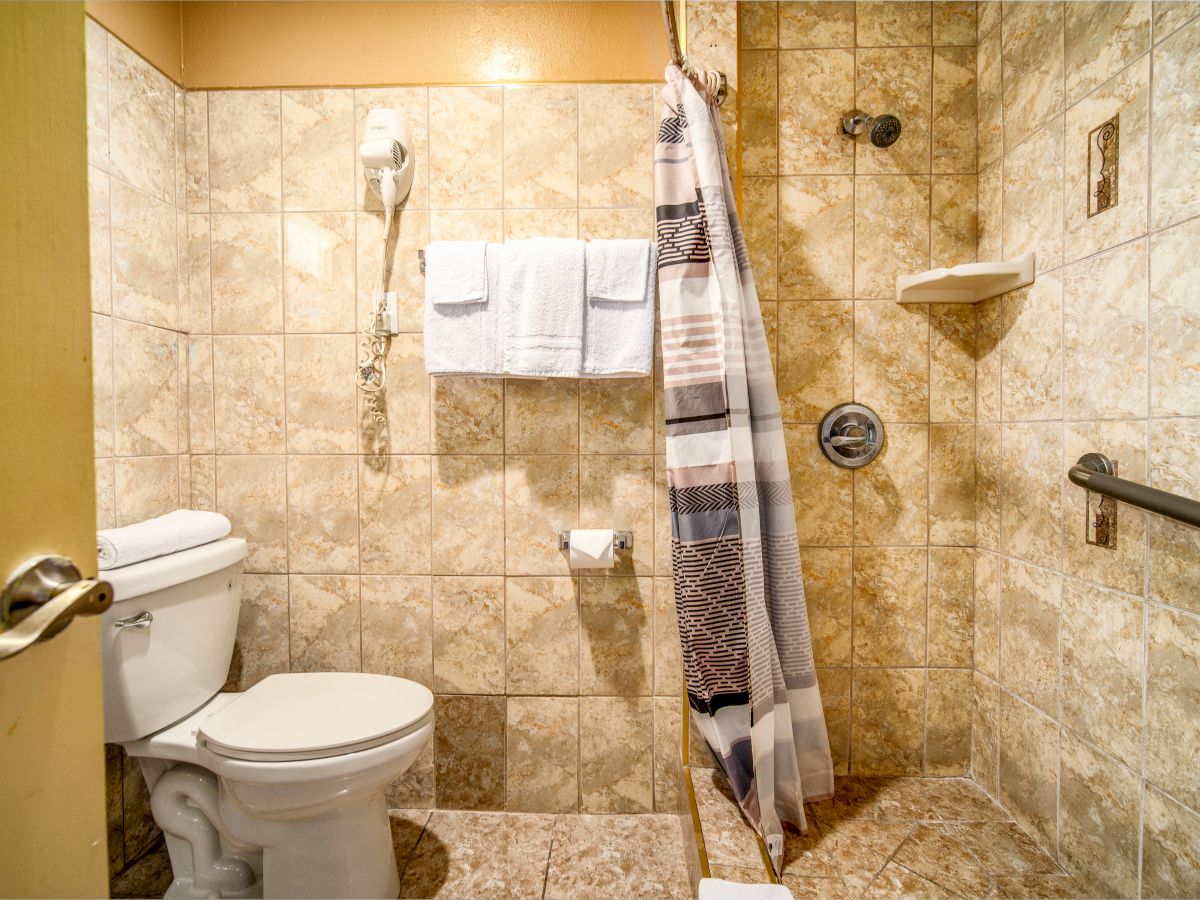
(717, 83)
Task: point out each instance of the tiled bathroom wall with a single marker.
(831, 221)
(1087, 686)
(139, 325)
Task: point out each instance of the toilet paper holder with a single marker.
(622, 540)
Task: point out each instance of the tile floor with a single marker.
(888, 838)
(508, 856)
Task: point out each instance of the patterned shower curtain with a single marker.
(739, 594)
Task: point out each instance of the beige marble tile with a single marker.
(827, 594)
(952, 385)
(96, 57)
(318, 272)
(989, 215)
(318, 156)
(468, 515)
(616, 143)
(887, 730)
(759, 84)
(394, 514)
(985, 747)
(989, 15)
(987, 486)
(541, 496)
(324, 622)
(759, 25)
(252, 492)
(952, 485)
(816, 24)
(247, 279)
(542, 758)
(668, 666)
(466, 225)
(406, 402)
(397, 616)
(816, 262)
(609, 856)
(141, 833)
(1030, 606)
(520, 224)
(145, 389)
(262, 632)
(1170, 14)
(835, 698)
(200, 414)
(1033, 187)
(204, 484)
(1031, 365)
(542, 627)
(950, 614)
(988, 343)
(100, 240)
(1175, 150)
(615, 224)
(141, 123)
(936, 854)
(322, 506)
(1002, 848)
(989, 99)
(244, 151)
(1127, 95)
(618, 492)
(415, 788)
(1104, 334)
(668, 772)
(468, 635)
(954, 23)
(1098, 820)
(469, 746)
(413, 105)
(816, 350)
(144, 264)
(196, 150)
(102, 385)
(492, 856)
(1029, 762)
(987, 613)
(1124, 567)
(320, 408)
(953, 222)
(616, 754)
(823, 493)
(896, 881)
(196, 314)
(1031, 470)
(891, 496)
(1169, 838)
(1173, 703)
(465, 147)
(899, 80)
(1101, 39)
(892, 24)
(891, 371)
(860, 849)
(662, 518)
(248, 388)
(1174, 315)
(891, 234)
(541, 146)
(890, 585)
(760, 224)
(1174, 548)
(468, 415)
(616, 636)
(410, 232)
(1032, 50)
(616, 415)
(816, 87)
(541, 415)
(954, 109)
(1102, 661)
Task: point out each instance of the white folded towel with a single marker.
(466, 338)
(542, 290)
(456, 272)
(716, 889)
(178, 530)
(619, 332)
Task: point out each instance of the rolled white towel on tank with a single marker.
(542, 290)
(465, 338)
(618, 339)
(717, 889)
(456, 272)
(178, 530)
(592, 548)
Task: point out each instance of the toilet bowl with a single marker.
(277, 791)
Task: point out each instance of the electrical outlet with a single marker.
(391, 313)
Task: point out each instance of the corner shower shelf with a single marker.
(968, 283)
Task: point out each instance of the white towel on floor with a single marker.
(456, 272)
(619, 332)
(178, 530)
(716, 889)
(466, 338)
(542, 290)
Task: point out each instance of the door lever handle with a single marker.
(53, 593)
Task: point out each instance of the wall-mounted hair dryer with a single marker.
(386, 157)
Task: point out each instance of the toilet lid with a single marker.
(317, 714)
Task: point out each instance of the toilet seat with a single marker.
(308, 716)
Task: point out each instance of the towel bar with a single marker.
(622, 540)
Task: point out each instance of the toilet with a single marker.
(277, 791)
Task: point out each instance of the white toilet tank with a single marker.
(162, 671)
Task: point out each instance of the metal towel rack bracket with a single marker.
(1096, 472)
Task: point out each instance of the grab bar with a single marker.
(1094, 471)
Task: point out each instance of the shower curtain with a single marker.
(739, 594)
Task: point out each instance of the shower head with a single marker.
(882, 130)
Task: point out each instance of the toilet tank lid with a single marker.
(167, 571)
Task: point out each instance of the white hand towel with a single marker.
(616, 270)
(466, 338)
(592, 548)
(542, 290)
(456, 272)
(619, 333)
(716, 889)
(178, 530)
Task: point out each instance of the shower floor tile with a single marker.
(887, 838)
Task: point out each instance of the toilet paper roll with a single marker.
(592, 548)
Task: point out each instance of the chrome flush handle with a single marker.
(141, 620)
